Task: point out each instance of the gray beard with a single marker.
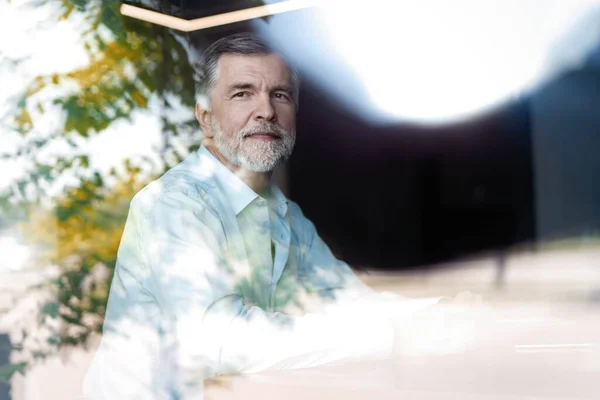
(254, 155)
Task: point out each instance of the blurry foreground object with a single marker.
(434, 61)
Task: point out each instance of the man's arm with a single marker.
(420, 329)
(128, 362)
(337, 289)
(322, 274)
(333, 281)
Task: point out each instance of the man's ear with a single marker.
(204, 118)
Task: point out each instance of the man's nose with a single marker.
(265, 110)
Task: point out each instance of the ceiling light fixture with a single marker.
(184, 25)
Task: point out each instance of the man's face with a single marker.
(253, 115)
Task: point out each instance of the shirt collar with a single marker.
(278, 201)
(236, 191)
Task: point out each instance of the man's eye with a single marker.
(240, 94)
(282, 96)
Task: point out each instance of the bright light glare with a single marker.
(13, 255)
(439, 60)
(215, 20)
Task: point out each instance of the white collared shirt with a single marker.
(197, 290)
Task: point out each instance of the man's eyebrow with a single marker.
(283, 88)
(238, 86)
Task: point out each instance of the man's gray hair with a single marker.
(239, 43)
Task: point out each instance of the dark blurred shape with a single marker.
(401, 196)
(566, 133)
(5, 349)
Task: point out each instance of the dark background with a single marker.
(399, 195)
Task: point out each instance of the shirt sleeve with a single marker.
(176, 276)
(128, 362)
(338, 290)
(322, 274)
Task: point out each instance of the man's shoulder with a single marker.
(298, 221)
(180, 183)
(294, 210)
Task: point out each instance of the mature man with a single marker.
(217, 271)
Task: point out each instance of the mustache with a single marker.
(264, 128)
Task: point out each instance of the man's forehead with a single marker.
(271, 66)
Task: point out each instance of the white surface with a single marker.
(540, 353)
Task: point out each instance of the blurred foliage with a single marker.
(6, 371)
(131, 65)
(80, 234)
